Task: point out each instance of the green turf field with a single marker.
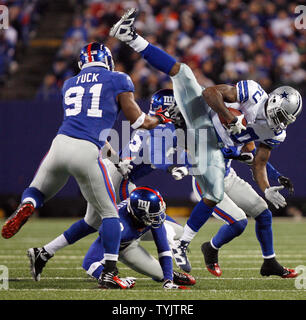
(63, 278)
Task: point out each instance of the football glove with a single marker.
(169, 285)
(124, 167)
(275, 197)
(236, 126)
(286, 182)
(178, 173)
(129, 281)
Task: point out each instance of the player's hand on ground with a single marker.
(272, 194)
(236, 126)
(179, 173)
(129, 281)
(286, 182)
(124, 167)
(169, 285)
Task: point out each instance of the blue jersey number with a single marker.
(259, 92)
(74, 96)
(245, 136)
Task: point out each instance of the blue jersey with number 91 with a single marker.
(90, 105)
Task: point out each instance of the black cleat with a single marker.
(38, 259)
(211, 259)
(271, 267)
(110, 280)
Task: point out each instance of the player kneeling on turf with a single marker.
(143, 211)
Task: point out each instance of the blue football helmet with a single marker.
(147, 206)
(161, 99)
(98, 54)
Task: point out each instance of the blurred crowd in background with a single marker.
(221, 40)
(23, 19)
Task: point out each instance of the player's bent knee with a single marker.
(240, 225)
(258, 207)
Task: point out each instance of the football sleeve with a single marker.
(164, 252)
(124, 83)
(249, 95)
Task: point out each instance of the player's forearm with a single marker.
(215, 100)
(260, 175)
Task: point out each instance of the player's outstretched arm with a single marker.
(124, 30)
(138, 118)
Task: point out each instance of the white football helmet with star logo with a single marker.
(283, 107)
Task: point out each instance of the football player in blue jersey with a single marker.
(267, 117)
(142, 212)
(91, 102)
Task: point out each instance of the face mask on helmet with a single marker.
(162, 99)
(283, 107)
(97, 54)
(147, 207)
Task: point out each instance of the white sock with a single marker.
(211, 243)
(139, 44)
(56, 244)
(29, 199)
(188, 234)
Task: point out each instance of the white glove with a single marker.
(236, 127)
(179, 173)
(169, 285)
(129, 281)
(275, 197)
(124, 167)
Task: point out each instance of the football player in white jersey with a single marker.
(267, 117)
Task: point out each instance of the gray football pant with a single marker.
(206, 154)
(139, 259)
(80, 159)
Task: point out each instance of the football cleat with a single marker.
(124, 29)
(180, 255)
(17, 219)
(271, 267)
(184, 279)
(211, 259)
(38, 258)
(110, 280)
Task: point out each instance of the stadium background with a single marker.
(222, 41)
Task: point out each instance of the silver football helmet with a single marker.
(284, 106)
